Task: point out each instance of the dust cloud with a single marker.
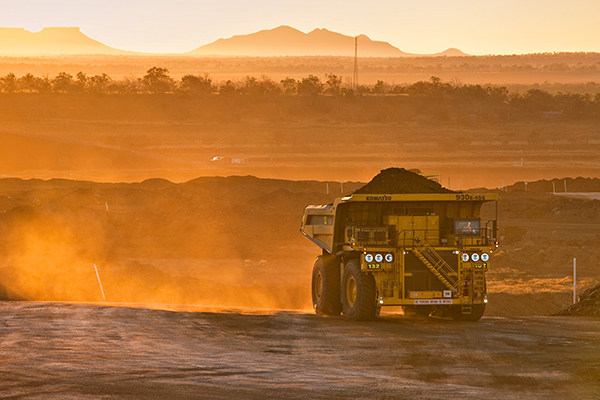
(46, 253)
(223, 242)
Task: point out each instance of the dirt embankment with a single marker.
(234, 242)
(540, 234)
(558, 185)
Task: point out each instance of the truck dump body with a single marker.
(420, 249)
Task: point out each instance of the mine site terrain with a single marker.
(187, 210)
(207, 293)
(234, 242)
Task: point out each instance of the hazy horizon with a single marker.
(423, 28)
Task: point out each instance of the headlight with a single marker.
(369, 257)
(378, 257)
(475, 257)
(485, 257)
(389, 257)
(465, 257)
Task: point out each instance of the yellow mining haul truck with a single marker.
(425, 252)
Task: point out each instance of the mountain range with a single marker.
(288, 41)
(280, 41)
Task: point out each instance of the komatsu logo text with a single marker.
(379, 198)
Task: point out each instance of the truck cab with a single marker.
(424, 252)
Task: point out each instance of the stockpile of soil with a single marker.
(401, 181)
(588, 304)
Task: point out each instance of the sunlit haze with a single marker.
(299, 199)
(176, 26)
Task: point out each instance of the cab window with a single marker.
(320, 220)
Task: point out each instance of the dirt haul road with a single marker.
(54, 350)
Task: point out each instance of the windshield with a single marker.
(467, 226)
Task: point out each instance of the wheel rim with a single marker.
(318, 286)
(351, 291)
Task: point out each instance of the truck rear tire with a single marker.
(358, 293)
(326, 286)
(477, 311)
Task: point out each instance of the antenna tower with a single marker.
(355, 78)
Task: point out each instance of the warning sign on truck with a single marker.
(433, 301)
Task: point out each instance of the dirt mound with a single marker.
(588, 304)
(400, 181)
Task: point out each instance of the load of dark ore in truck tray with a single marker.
(401, 181)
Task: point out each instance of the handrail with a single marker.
(435, 263)
(443, 237)
(435, 237)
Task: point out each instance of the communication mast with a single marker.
(355, 78)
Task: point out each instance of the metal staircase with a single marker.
(436, 264)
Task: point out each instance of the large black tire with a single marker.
(326, 286)
(358, 293)
(417, 311)
(477, 311)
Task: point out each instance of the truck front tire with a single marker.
(326, 286)
(358, 293)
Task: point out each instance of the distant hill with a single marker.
(280, 41)
(287, 41)
(451, 52)
(50, 41)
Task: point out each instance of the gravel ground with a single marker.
(66, 350)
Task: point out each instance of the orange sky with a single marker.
(426, 26)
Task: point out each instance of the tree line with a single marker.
(158, 81)
(433, 94)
